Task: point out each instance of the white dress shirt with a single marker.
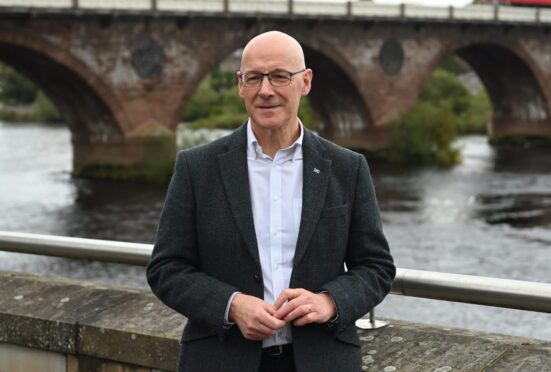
(276, 198)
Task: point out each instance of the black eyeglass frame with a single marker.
(241, 75)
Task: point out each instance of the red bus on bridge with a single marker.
(540, 3)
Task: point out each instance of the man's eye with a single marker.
(278, 77)
(254, 78)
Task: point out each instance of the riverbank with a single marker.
(40, 111)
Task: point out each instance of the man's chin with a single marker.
(267, 123)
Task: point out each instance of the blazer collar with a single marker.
(235, 176)
(316, 175)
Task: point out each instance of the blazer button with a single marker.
(257, 278)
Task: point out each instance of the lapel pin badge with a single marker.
(316, 171)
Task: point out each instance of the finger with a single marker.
(256, 336)
(286, 295)
(291, 305)
(257, 331)
(299, 312)
(306, 319)
(287, 308)
(272, 322)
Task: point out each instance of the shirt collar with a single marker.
(254, 150)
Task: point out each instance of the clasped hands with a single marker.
(259, 320)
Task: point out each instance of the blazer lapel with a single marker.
(316, 172)
(235, 176)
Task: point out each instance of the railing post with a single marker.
(370, 323)
(349, 8)
(402, 10)
(538, 15)
(154, 5)
(290, 7)
(226, 6)
(75, 4)
(496, 12)
(450, 12)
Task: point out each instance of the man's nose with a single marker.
(266, 88)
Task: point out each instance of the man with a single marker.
(270, 241)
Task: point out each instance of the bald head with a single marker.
(274, 47)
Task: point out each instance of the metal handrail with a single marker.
(80, 248)
(479, 290)
(513, 294)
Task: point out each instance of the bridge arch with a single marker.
(335, 95)
(80, 96)
(520, 100)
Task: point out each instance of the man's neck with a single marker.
(272, 140)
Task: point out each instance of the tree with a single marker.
(15, 88)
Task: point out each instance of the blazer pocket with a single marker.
(195, 333)
(335, 212)
(349, 336)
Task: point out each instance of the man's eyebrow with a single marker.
(259, 72)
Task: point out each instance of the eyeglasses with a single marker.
(277, 78)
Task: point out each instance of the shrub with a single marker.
(43, 110)
(15, 89)
(423, 135)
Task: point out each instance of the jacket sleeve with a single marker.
(173, 272)
(370, 267)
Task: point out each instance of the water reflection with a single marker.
(519, 210)
(113, 211)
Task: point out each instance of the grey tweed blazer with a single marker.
(206, 249)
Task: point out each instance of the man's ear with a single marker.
(307, 77)
(239, 84)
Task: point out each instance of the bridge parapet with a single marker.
(349, 9)
(59, 325)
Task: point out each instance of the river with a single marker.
(490, 216)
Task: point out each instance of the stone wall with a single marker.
(58, 325)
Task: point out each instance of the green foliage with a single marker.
(30, 104)
(423, 135)
(44, 111)
(522, 140)
(445, 109)
(222, 81)
(442, 85)
(227, 120)
(157, 169)
(12, 116)
(453, 65)
(15, 89)
(216, 104)
(307, 114)
(471, 112)
(202, 103)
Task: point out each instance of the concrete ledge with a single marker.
(91, 325)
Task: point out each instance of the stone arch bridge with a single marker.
(122, 79)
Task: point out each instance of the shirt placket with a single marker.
(276, 226)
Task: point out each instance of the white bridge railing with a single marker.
(513, 294)
(331, 8)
